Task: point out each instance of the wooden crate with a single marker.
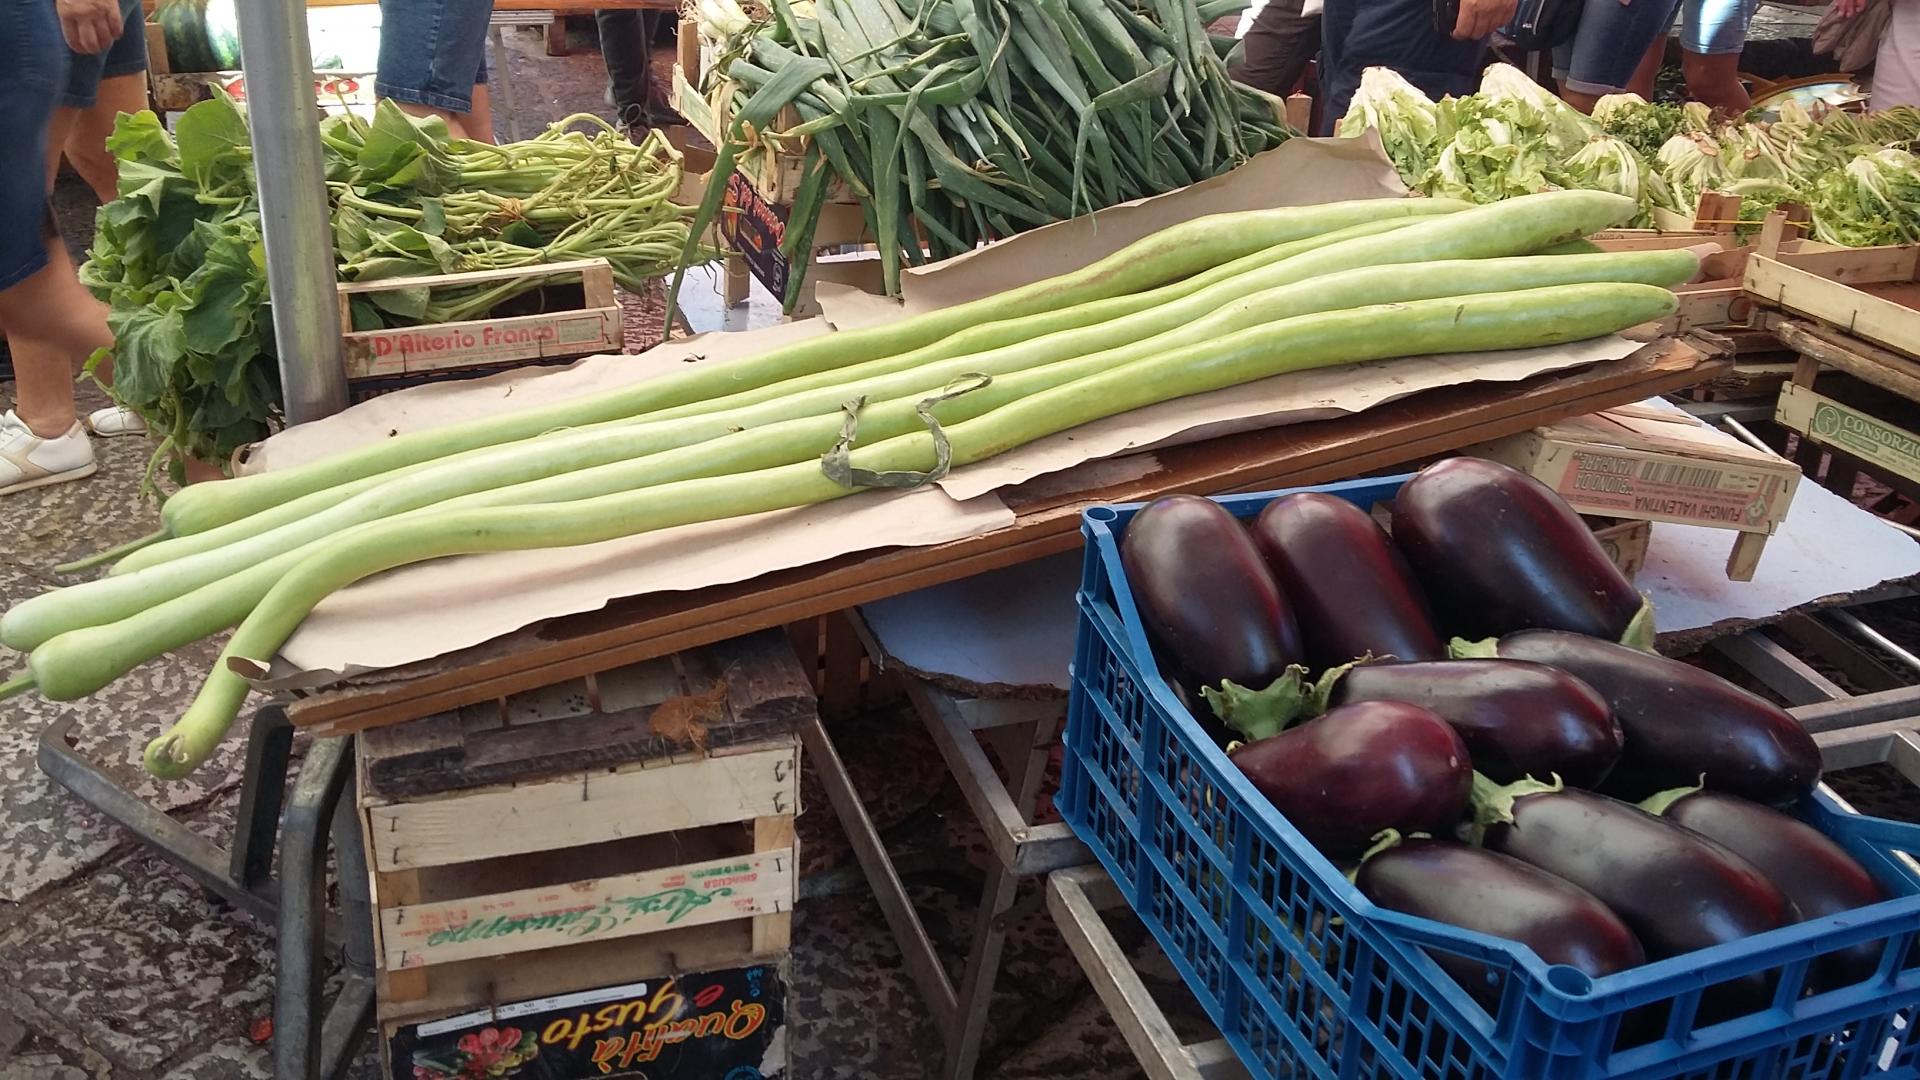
(588, 326)
(1871, 295)
(588, 834)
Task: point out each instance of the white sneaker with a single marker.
(29, 461)
(114, 420)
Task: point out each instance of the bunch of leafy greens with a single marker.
(1874, 200)
(1638, 122)
(178, 255)
(179, 260)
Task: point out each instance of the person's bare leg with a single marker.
(1579, 99)
(1715, 81)
(454, 125)
(60, 127)
(478, 121)
(86, 146)
(1647, 75)
(53, 324)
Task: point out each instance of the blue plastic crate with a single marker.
(1307, 978)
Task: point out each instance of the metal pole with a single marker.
(290, 173)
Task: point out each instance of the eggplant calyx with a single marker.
(1492, 803)
(1484, 649)
(1640, 632)
(1258, 714)
(1660, 802)
(1321, 692)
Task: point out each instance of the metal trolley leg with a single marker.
(297, 903)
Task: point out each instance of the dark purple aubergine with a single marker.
(1206, 596)
(1344, 777)
(1497, 894)
(1677, 890)
(1816, 874)
(1497, 551)
(1517, 719)
(1350, 587)
(1682, 723)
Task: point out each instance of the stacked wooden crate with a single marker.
(582, 840)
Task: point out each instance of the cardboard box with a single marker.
(1653, 464)
(686, 1026)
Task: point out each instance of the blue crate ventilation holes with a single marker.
(1307, 978)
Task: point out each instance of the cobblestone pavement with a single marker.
(113, 964)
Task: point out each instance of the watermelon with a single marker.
(201, 35)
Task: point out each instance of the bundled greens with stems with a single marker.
(957, 121)
(1201, 306)
(1513, 137)
(179, 259)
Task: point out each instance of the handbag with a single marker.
(1540, 25)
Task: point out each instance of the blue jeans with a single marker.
(1611, 40)
(1398, 34)
(33, 68)
(1715, 27)
(126, 56)
(433, 52)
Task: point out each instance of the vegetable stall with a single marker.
(1310, 727)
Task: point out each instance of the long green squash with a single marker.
(1490, 321)
(1169, 255)
(230, 581)
(975, 339)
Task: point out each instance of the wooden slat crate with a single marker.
(574, 329)
(628, 825)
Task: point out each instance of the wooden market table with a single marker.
(1047, 522)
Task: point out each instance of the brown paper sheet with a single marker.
(424, 611)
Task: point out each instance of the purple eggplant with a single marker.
(1206, 595)
(1682, 723)
(1498, 551)
(1816, 874)
(1348, 775)
(1497, 894)
(1517, 719)
(1676, 889)
(1351, 587)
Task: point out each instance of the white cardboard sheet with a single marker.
(424, 611)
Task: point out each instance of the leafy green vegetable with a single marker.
(1637, 122)
(1874, 200)
(179, 258)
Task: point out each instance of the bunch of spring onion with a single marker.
(953, 121)
(1211, 303)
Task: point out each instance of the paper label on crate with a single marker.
(418, 935)
(755, 228)
(714, 1025)
(1664, 488)
(335, 91)
(413, 349)
(1833, 424)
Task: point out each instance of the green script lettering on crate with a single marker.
(585, 922)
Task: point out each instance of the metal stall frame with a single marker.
(1023, 734)
(319, 809)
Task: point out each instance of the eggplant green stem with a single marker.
(1661, 801)
(1492, 803)
(1640, 631)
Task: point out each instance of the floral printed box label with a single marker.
(717, 1025)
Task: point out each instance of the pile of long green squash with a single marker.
(1204, 305)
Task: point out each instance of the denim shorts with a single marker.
(33, 56)
(433, 52)
(1715, 27)
(1608, 47)
(126, 56)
